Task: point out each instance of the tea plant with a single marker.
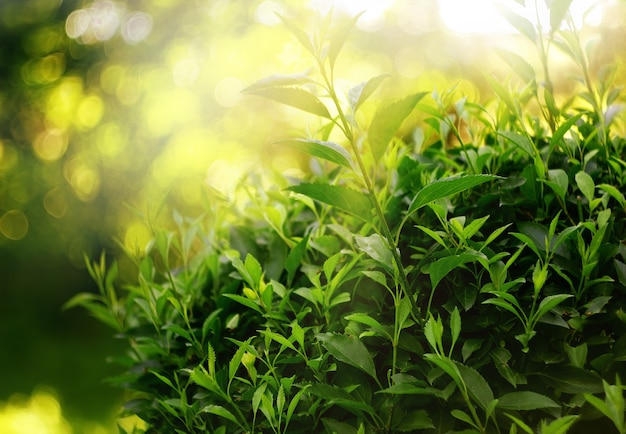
(477, 288)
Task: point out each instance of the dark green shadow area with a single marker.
(44, 346)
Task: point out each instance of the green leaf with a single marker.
(525, 401)
(409, 389)
(455, 326)
(520, 424)
(548, 304)
(404, 310)
(570, 379)
(433, 332)
(244, 301)
(220, 411)
(415, 420)
(518, 64)
(376, 276)
(254, 270)
(614, 193)
(337, 396)
(338, 40)
(540, 275)
(519, 140)
(558, 10)
(211, 359)
(200, 376)
(477, 386)
(170, 405)
(179, 331)
(315, 296)
(446, 365)
(551, 105)
(598, 404)
(466, 295)
(562, 129)
(361, 93)
(531, 238)
(294, 97)
(97, 310)
(493, 235)
(327, 244)
(267, 407)
(376, 247)
(470, 230)
(350, 350)
(349, 200)
(298, 333)
(235, 361)
(446, 187)
(434, 235)
(369, 321)
(464, 417)
(326, 150)
(299, 34)
(283, 341)
(523, 25)
(387, 121)
(163, 379)
(504, 305)
(258, 395)
(561, 238)
(577, 355)
(597, 304)
(334, 426)
(620, 269)
(274, 81)
(558, 426)
(83, 299)
(613, 405)
(294, 258)
(440, 268)
(294, 403)
(503, 94)
(280, 399)
(558, 182)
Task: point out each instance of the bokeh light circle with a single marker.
(137, 236)
(55, 203)
(50, 145)
(267, 13)
(136, 27)
(14, 224)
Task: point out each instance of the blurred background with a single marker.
(115, 112)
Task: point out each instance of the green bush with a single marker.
(476, 286)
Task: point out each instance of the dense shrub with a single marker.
(473, 282)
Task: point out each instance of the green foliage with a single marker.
(311, 309)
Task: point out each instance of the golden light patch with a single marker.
(50, 145)
(89, 112)
(137, 236)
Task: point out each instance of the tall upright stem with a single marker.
(384, 226)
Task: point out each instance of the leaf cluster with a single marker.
(475, 288)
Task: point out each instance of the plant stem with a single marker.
(347, 130)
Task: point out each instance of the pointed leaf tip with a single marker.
(326, 150)
(447, 187)
(349, 350)
(388, 120)
(294, 97)
(347, 199)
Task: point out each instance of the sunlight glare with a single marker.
(373, 10)
(483, 17)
